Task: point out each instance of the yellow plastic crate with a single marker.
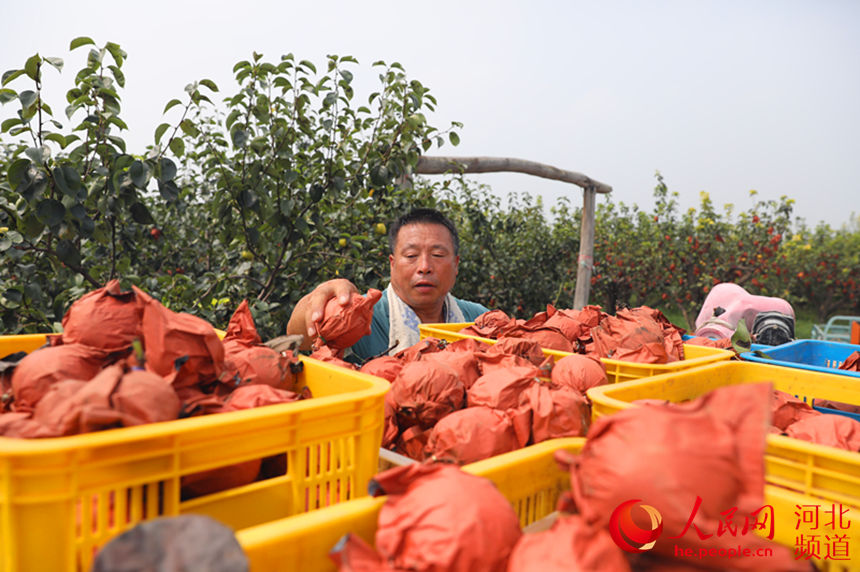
(814, 470)
(529, 478)
(22, 343)
(616, 370)
(62, 498)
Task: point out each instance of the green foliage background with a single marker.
(285, 182)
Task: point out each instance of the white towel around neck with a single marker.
(403, 321)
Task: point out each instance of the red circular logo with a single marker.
(628, 535)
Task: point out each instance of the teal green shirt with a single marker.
(376, 342)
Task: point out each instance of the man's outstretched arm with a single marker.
(310, 308)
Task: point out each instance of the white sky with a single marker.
(723, 96)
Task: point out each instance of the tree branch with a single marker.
(79, 269)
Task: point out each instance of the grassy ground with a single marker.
(803, 321)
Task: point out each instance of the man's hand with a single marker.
(310, 308)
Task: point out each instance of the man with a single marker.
(423, 261)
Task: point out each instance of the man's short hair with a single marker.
(426, 216)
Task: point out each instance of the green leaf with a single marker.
(118, 141)
(32, 226)
(56, 138)
(240, 137)
(140, 214)
(56, 62)
(68, 181)
(18, 173)
(10, 75)
(137, 172)
(316, 192)
(33, 291)
(379, 175)
(38, 154)
(232, 117)
(67, 253)
(118, 122)
(117, 52)
(123, 162)
(50, 211)
(741, 339)
(9, 124)
(31, 68)
(13, 297)
(246, 199)
(309, 65)
(80, 41)
(189, 128)
(761, 354)
(454, 138)
(209, 83)
(28, 98)
(78, 211)
(169, 191)
(87, 226)
(110, 102)
(159, 131)
(168, 169)
(7, 95)
(118, 75)
(177, 145)
(170, 104)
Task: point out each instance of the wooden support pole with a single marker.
(585, 261)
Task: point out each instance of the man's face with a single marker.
(423, 266)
